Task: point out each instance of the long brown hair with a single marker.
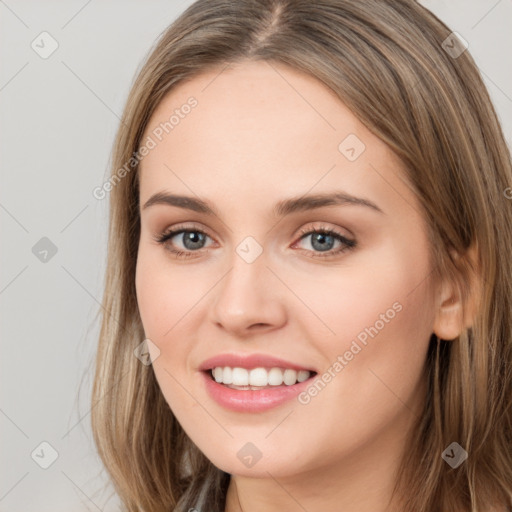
(388, 61)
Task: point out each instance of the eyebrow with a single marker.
(282, 208)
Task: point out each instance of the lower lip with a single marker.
(251, 400)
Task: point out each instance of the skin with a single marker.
(259, 134)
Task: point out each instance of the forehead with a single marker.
(261, 126)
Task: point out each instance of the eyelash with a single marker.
(348, 244)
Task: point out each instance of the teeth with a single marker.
(275, 377)
(258, 377)
(240, 376)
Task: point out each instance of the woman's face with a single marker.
(261, 145)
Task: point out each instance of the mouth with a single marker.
(254, 390)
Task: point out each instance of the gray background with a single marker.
(58, 119)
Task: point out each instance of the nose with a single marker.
(248, 299)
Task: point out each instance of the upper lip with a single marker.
(250, 361)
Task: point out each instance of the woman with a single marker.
(309, 277)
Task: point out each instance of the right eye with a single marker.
(192, 239)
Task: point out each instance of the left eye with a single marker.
(322, 240)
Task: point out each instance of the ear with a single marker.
(452, 315)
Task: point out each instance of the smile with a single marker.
(254, 399)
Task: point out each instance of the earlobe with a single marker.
(448, 322)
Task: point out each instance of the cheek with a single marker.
(171, 300)
(377, 315)
(164, 299)
(389, 289)
(385, 338)
(148, 285)
(373, 364)
(163, 295)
